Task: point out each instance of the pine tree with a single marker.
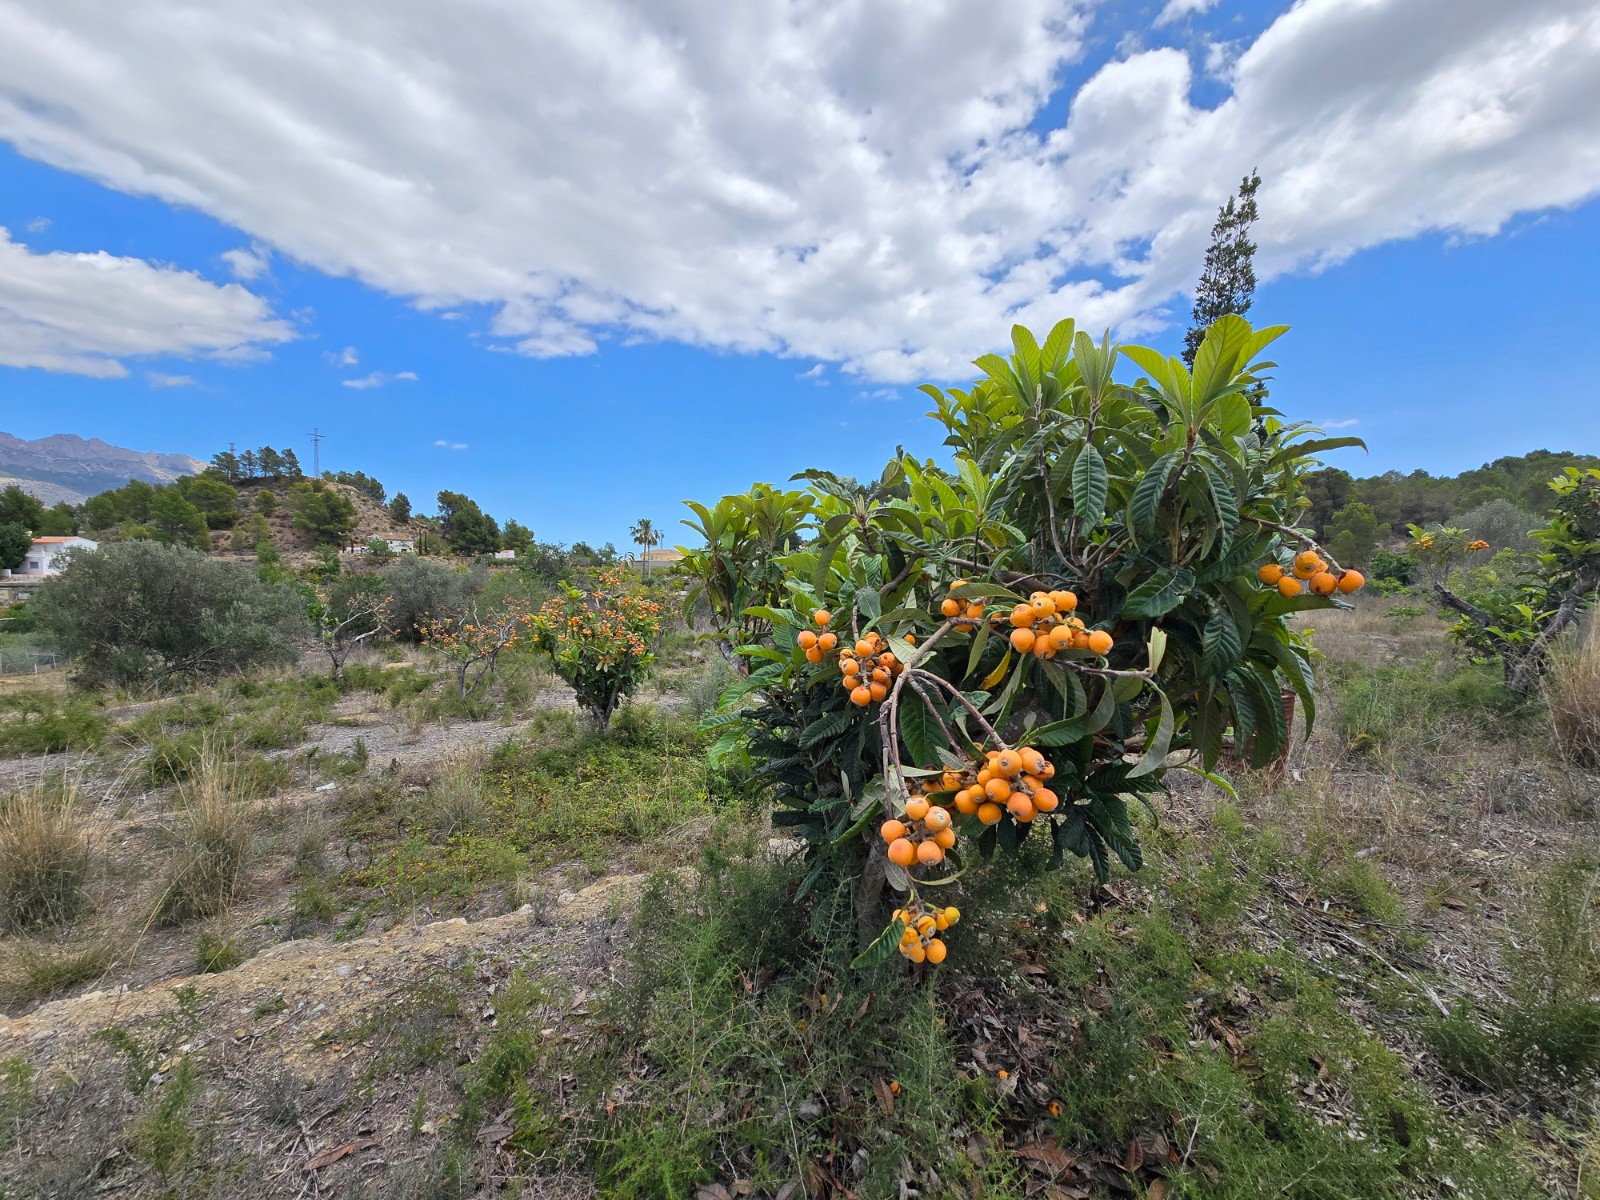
(1228, 279)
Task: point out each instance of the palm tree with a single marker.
(645, 534)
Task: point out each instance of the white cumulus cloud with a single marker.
(247, 263)
(852, 182)
(160, 379)
(342, 358)
(1176, 10)
(85, 313)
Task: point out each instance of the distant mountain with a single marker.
(67, 467)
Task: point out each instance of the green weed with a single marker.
(216, 952)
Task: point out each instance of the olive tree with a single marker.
(144, 612)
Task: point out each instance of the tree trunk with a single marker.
(871, 912)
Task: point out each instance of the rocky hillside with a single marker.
(67, 467)
(372, 520)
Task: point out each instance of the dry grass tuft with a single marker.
(455, 802)
(1572, 691)
(210, 837)
(36, 968)
(44, 860)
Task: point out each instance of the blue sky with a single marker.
(581, 312)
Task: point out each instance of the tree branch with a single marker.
(1472, 612)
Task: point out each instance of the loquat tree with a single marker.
(1521, 625)
(600, 640)
(1097, 590)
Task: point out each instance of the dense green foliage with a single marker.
(15, 542)
(265, 463)
(468, 529)
(142, 612)
(361, 482)
(324, 512)
(1419, 498)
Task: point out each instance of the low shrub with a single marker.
(1421, 705)
(44, 861)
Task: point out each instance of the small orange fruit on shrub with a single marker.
(807, 639)
(1022, 640)
(1288, 587)
(861, 696)
(1351, 581)
(902, 853)
(1100, 641)
(892, 830)
(951, 607)
(822, 616)
(917, 808)
(929, 854)
(1269, 574)
(1324, 584)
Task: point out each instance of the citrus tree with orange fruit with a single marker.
(1095, 590)
(601, 641)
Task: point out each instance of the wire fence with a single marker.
(29, 662)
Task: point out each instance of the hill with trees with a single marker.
(1498, 501)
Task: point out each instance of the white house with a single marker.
(396, 546)
(46, 555)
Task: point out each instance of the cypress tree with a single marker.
(1228, 279)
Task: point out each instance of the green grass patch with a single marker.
(39, 722)
(1425, 706)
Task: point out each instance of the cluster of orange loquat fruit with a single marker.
(963, 612)
(920, 942)
(1309, 570)
(922, 837)
(818, 645)
(868, 667)
(1045, 625)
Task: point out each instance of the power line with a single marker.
(316, 453)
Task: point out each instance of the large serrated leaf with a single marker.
(1064, 733)
(1220, 643)
(821, 730)
(883, 946)
(1089, 485)
(999, 673)
(919, 728)
(1146, 501)
(1155, 754)
(1159, 594)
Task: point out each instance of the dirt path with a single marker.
(322, 982)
